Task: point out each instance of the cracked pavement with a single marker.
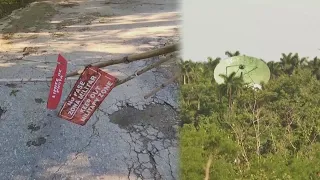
(152, 141)
(128, 137)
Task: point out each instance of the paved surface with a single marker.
(128, 137)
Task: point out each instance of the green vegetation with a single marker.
(231, 131)
(32, 19)
(7, 6)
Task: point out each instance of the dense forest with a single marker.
(272, 133)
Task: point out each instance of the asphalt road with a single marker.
(139, 142)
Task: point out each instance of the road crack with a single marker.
(95, 133)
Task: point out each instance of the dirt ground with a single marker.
(129, 137)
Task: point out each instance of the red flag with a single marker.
(57, 83)
(90, 90)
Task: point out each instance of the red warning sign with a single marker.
(57, 83)
(90, 90)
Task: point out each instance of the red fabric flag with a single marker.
(90, 90)
(57, 83)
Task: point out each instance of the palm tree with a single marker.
(229, 54)
(232, 85)
(213, 62)
(210, 66)
(197, 71)
(289, 63)
(186, 68)
(299, 62)
(275, 69)
(286, 63)
(315, 66)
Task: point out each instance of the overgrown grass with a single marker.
(7, 6)
(32, 19)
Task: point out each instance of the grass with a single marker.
(32, 19)
(7, 6)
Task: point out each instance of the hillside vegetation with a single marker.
(234, 132)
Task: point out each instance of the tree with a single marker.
(210, 66)
(275, 69)
(273, 133)
(315, 67)
(290, 63)
(232, 85)
(186, 68)
(230, 54)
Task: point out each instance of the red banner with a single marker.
(90, 90)
(57, 83)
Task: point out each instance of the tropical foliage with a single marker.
(232, 132)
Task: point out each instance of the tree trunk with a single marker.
(230, 97)
(188, 79)
(207, 170)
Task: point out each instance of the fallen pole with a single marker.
(25, 80)
(154, 91)
(138, 73)
(131, 58)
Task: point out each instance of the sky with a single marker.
(259, 28)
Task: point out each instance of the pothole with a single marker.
(2, 111)
(32, 127)
(37, 142)
(161, 117)
(39, 100)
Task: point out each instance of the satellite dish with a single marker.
(253, 70)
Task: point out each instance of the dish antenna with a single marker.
(253, 70)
